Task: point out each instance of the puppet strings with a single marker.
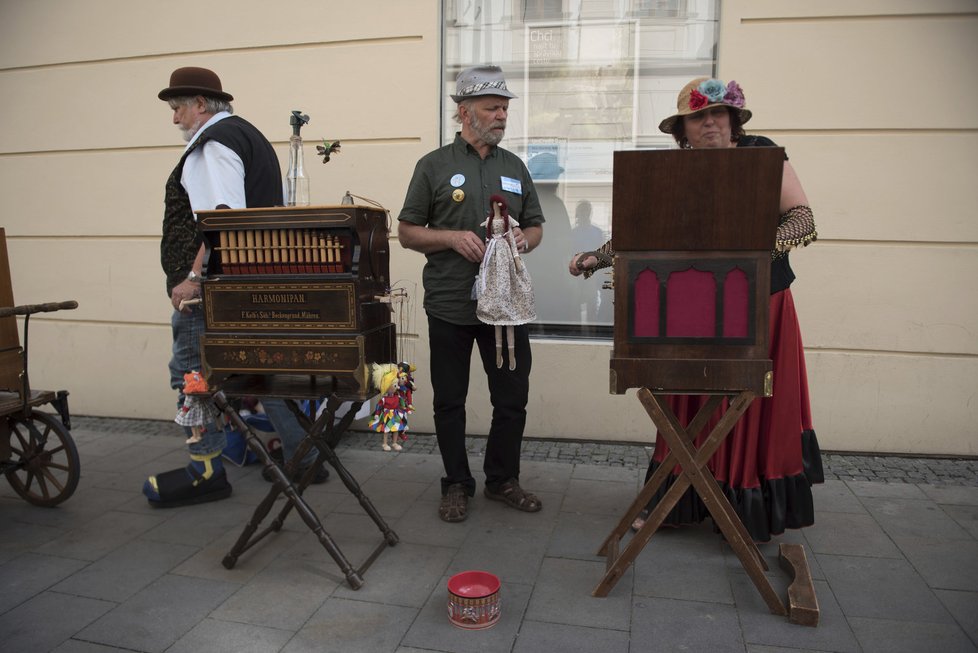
(401, 296)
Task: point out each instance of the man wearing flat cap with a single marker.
(443, 217)
(227, 163)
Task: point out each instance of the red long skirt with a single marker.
(767, 465)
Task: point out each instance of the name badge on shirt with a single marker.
(511, 185)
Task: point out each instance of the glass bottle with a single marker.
(296, 182)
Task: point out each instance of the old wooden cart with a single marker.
(37, 453)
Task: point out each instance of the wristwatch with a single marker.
(193, 276)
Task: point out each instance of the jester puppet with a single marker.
(396, 385)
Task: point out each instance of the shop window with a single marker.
(592, 76)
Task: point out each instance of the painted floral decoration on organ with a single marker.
(714, 91)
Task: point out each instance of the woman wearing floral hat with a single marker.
(768, 464)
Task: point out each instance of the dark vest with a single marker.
(263, 187)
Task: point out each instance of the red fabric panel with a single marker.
(645, 313)
(691, 305)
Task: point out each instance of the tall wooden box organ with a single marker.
(297, 291)
(692, 232)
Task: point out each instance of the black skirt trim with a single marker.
(811, 457)
(768, 510)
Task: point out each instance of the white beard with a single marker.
(189, 132)
(484, 131)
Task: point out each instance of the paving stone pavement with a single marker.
(837, 466)
(893, 554)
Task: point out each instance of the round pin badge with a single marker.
(457, 180)
(458, 195)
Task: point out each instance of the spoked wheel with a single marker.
(47, 468)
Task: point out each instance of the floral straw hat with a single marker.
(703, 93)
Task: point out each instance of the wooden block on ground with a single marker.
(802, 602)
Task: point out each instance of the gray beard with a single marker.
(490, 138)
(189, 133)
(485, 133)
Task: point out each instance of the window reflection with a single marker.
(592, 76)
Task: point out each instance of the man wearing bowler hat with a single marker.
(442, 217)
(227, 163)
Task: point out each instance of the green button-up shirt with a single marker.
(433, 201)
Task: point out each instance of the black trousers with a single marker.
(451, 356)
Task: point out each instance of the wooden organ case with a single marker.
(294, 308)
(297, 291)
(692, 232)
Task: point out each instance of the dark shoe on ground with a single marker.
(454, 504)
(176, 488)
(514, 496)
(322, 475)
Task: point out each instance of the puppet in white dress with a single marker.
(504, 289)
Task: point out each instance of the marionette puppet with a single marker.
(197, 410)
(504, 290)
(204, 478)
(405, 391)
(405, 386)
(389, 418)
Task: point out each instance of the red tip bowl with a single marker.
(473, 584)
(473, 600)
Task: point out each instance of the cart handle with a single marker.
(30, 309)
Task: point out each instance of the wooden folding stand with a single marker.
(692, 234)
(322, 434)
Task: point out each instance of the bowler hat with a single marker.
(192, 81)
(480, 80)
(704, 93)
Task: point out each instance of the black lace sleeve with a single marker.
(606, 258)
(795, 228)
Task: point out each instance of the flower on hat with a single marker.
(697, 100)
(713, 89)
(734, 95)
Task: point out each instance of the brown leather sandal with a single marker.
(514, 496)
(454, 504)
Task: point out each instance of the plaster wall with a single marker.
(873, 101)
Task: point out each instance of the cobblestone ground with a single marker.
(838, 466)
